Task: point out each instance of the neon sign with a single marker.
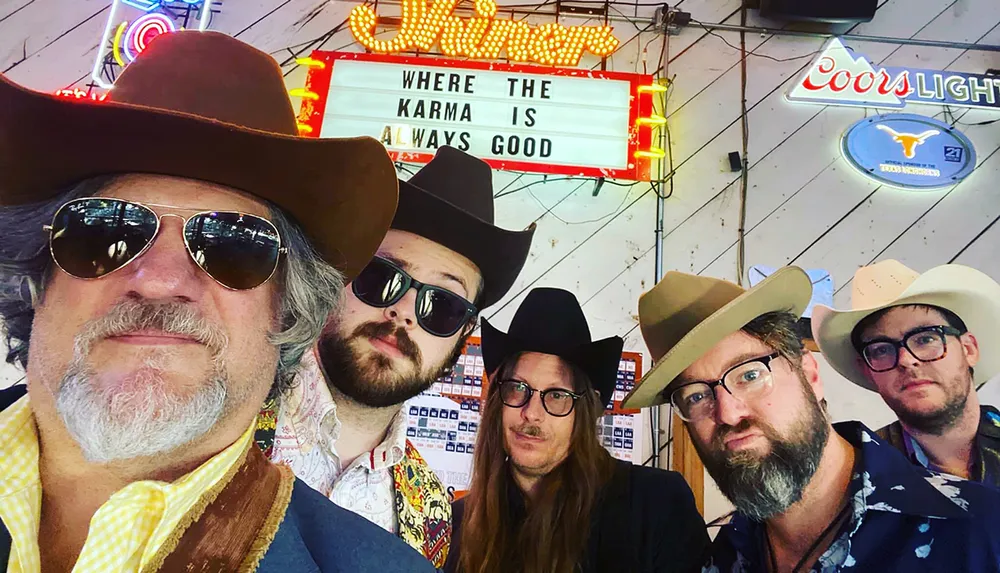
(841, 77)
(518, 117)
(133, 24)
(909, 151)
(483, 37)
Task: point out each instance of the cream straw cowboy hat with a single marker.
(684, 316)
(970, 294)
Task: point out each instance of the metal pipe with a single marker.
(857, 37)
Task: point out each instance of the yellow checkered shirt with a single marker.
(126, 531)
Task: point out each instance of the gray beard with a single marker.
(146, 422)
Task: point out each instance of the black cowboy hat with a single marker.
(203, 105)
(550, 321)
(450, 201)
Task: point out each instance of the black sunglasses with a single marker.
(439, 311)
(94, 236)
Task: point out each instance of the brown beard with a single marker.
(372, 380)
(935, 423)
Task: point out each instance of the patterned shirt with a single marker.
(985, 463)
(905, 518)
(126, 532)
(306, 437)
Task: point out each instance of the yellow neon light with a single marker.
(310, 63)
(652, 153)
(482, 37)
(303, 128)
(303, 93)
(116, 46)
(653, 88)
(652, 120)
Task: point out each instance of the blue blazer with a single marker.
(315, 536)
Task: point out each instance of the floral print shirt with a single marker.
(905, 518)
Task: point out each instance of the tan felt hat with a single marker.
(685, 315)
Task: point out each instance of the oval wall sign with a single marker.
(909, 151)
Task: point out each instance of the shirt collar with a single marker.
(313, 414)
(886, 481)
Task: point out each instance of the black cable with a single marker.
(663, 447)
(765, 56)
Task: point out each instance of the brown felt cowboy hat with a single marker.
(971, 294)
(203, 105)
(685, 315)
(450, 201)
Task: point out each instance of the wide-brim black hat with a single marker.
(550, 321)
(450, 201)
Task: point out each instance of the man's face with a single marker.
(381, 357)
(762, 452)
(156, 354)
(536, 441)
(928, 396)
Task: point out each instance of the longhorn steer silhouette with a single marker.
(909, 141)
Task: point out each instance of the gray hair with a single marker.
(310, 288)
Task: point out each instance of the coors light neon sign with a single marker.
(841, 77)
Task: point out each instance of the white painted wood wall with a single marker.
(805, 205)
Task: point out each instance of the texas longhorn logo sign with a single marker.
(909, 141)
(839, 76)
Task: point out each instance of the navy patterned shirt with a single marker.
(905, 519)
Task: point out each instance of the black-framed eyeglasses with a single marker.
(557, 402)
(438, 310)
(92, 237)
(926, 344)
(750, 380)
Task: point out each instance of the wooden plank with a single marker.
(816, 208)
(8, 7)
(40, 24)
(687, 462)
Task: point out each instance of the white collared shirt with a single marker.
(305, 439)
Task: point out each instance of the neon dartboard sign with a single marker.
(133, 24)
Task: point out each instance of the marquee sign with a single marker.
(483, 37)
(841, 77)
(516, 117)
(909, 151)
(133, 24)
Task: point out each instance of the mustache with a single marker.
(404, 343)
(746, 424)
(135, 315)
(530, 430)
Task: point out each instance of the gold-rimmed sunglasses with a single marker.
(92, 237)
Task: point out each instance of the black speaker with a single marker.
(832, 11)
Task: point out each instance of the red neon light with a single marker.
(640, 133)
(80, 94)
(483, 37)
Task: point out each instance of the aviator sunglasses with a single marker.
(439, 311)
(92, 237)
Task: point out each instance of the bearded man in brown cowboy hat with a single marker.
(925, 343)
(809, 495)
(546, 497)
(406, 318)
(168, 256)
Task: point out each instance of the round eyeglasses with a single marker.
(750, 380)
(557, 402)
(927, 344)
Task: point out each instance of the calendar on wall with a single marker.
(442, 423)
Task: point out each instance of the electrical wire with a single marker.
(745, 169)
(745, 54)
